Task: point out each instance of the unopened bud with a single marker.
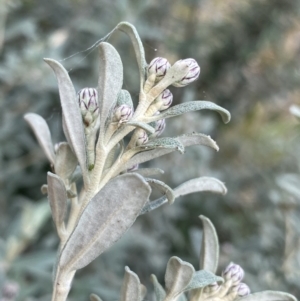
(123, 113)
(233, 272)
(242, 289)
(191, 75)
(142, 137)
(88, 104)
(164, 100)
(160, 126)
(10, 290)
(211, 288)
(159, 67)
(133, 168)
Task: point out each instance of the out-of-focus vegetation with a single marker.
(249, 53)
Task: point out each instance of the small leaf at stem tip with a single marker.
(178, 275)
(164, 188)
(94, 297)
(209, 254)
(72, 120)
(42, 133)
(131, 288)
(159, 291)
(191, 106)
(268, 296)
(200, 184)
(165, 142)
(124, 98)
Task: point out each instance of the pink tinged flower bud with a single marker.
(211, 288)
(241, 289)
(160, 126)
(133, 168)
(142, 137)
(88, 104)
(233, 272)
(192, 74)
(164, 100)
(123, 113)
(159, 67)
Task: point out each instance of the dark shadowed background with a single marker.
(249, 53)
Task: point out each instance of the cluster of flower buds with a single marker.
(158, 67)
(122, 113)
(88, 104)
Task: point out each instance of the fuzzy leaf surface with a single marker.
(94, 297)
(72, 119)
(203, 278)
(148, 172)
(124, 98)
(200, 184)
(178, 275)
(131, 31)
(191, 106)
(131, 289)
(165, 143)
(164, 188)
(186, 140)
(65, 161)
(269, 296)
(142, 125)
(159, 291)
(110, 80)
(57, 196)
(209, 255)
(42, 133)
(105, 219)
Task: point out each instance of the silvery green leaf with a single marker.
(142, 125)
(105, 219)
(203, 278)
(131, 290)
(65, 161)
(131, 31)
(148, 172)
(295, 110)
(57, 196)
(209, 254)
(94, 297)
(165, 143)
(164, 188)
(189, 107)
(110, 80)
(42, 133)
(73, 125)
(200, 184)
(124, 98)
(178, 275)
(159, 291)
(268, 296)
(143, 291)
(186, 140)
(182, 297)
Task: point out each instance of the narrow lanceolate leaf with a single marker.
(189, 107)
(268, 296)
(131, 288)
(203, 278)
(159, 291)
(57, 196)
(165, 143)
(105, 219)
(209, 254)
(65, 161)
(149, 172)
(124, 98)
(178, 275)
(94, 297)
(186, 140)
(164, 188)
(200, 184)
(131, 31)
(148, 128)
(73, 125)
(42, 133)
(110, 80)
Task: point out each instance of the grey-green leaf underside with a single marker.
(164, 188)
(124, 98)
(159, 291)
(201, 279)
(268, 296)
(131, 288)
(105, 219)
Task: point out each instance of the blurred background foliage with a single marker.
(249, 53)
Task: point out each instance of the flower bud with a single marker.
(159, 67)
(133, 168)
(242, 289)
(211, 288)
(142, 137)
(122, 113)
(160, 126)
(233, 272)
(88, 104)
(164, 100)
(191, 75)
